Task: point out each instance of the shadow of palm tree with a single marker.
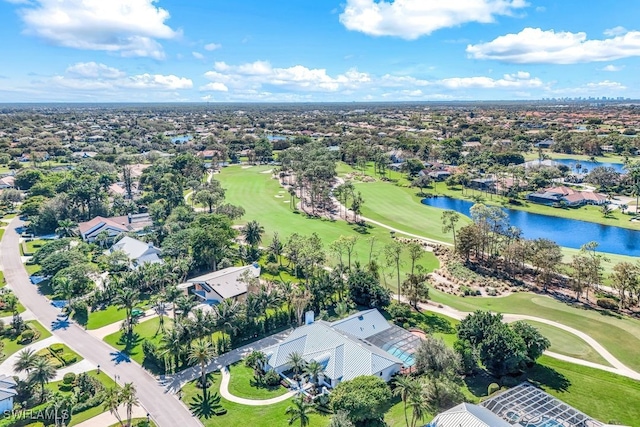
(129, 341)
(206, 408)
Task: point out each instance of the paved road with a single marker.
(165, 408)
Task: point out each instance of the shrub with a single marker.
(68, 358)
(57, 348)
(220, 412)
(272, 268)
(36, 424)
(44, 353)
(271, 378)
(65, 387)
(493, 387)
(607, 303)
(27, 336)
(69, 378)
(56, 363)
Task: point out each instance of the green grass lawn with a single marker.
(256, 191)
(607, 158)
(34, 245)
(568, 344)
(147, 330)
(100, 318)
(3, 282)
(32, 269)
(68, 351)
(137, 422)
(619, 335)
(12, 346)
(242, 383)
(240, 415)
(602, 395)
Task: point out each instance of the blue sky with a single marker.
(317, 50)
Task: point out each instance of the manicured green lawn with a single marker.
(240, 415)
(241, 384)
(66, 350)
(34, 245)
(3, 282)
(11, 346)
(607, 397)
(112, 314)
(621, 336)
(32, 269)
(256, 191)
(147, 330)
(568, 344)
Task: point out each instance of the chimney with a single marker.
(129, 218)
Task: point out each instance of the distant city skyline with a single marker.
(324, 50)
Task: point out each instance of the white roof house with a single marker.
(343, 356)
(222, 284)
(468, 415)
(137, 251)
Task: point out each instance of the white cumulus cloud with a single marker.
(127, 27)
(212, 46)
(411, 19)
(537, 46)
(96, 76)
(255, 75)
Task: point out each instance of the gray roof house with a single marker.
(219, 285)
(7, 392)
(343, 356)
(137, 251)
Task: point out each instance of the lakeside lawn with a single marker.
(242, 384)
(12, 346)
(257, 192)
(619, 335)
(132, 346)
(605, 158)
(566, 343)
(399, 206)
(240, 415)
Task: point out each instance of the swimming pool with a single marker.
(405, 357)
(546, 422)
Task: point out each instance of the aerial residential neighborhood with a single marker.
(357, 213)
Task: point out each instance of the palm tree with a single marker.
(64, 287)
(252, 233)
(127, 298)
(111, 400)
(202, 352)
(184, 303)
(65, 228)
(26, 361)
(102, 238)
(256, 360)
(42, 372)
(129, 399)
(226, 313)
(299, 411)
(405, 387)
(172, 345)
(314, 369)
(419, 406)
(296, 363)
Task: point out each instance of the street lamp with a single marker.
(98, 369)
(148, 419)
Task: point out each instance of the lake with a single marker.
(589, 165)
(566, 232)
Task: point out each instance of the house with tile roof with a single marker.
(114, 226)
(567, 195)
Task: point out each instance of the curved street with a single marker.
(165, 409)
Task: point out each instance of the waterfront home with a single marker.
(570, 197)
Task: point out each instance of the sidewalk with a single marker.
(107, 419)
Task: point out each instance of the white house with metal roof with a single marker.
(219, 285)
(362, 324)
(468, 415)
(137, 251)
(7, 392)
(342, 355)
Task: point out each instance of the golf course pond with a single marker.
(570, 233)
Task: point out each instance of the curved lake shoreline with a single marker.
(570, 233)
